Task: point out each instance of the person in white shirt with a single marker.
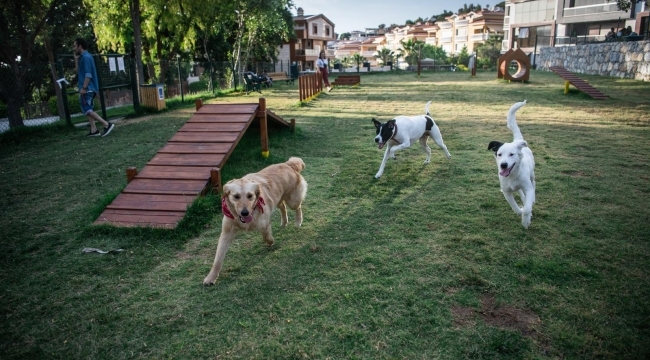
(321, 63)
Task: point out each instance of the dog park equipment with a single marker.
(347, 80)
(582, 85)
(310, 85)
(523, 66)
(153, 96)
(188, 166)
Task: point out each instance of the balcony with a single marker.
(368, 54)
(505, 46)
(590, 9)
(479, 37)
(445, 39)
(460, 38)
(445, 25)
(431, 41)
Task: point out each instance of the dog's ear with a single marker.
(377, 123)
(494, 146)
(258, 190)
(391, 124)
(227, 189)
(521, 144)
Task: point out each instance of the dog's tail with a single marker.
(296, 163)
(426, 108)
(512, 122)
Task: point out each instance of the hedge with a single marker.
(73, 104)
(198, 86)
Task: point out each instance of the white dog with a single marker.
(248, 203)
(516, 167)
(403, 131)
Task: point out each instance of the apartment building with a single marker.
(540, 23)
(313, 32)
(468, 30)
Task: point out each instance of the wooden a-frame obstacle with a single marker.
(188, 166)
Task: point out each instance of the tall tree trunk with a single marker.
(57, 88)
(15, 97)
(137, 39)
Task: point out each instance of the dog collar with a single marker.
(394, 133)
(228, 214)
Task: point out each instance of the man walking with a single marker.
(88, 86)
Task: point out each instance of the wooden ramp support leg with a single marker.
(131, 172)
(292, 125)
(263, 129)
(566, 87)
(215, 179)
(199, 104)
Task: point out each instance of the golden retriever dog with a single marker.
(248, 203)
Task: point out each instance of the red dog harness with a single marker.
(228, 214)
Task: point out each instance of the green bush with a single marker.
(73, 104)
(462, 67)
(3, 111)
(198, 86)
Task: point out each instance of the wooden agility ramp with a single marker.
(582, 85)
(188, 166)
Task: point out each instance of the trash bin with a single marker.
(366, 65)
(389, 63)
(153, 96)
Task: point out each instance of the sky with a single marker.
(349, 15)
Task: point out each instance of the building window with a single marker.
(314, 29)
(327, 31)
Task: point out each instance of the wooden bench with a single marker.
(280, 76)
(347, 80)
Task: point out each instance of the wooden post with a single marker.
(292, 125)
(199, 103)
(131, 172)
(566, 87)
(300, 87)
(215, 179)
(263, 130)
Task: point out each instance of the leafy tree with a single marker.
(626, 5)
(488, 52)
(346, 61)
(409, 22)
(437, 53)
(463, 57)
(443, 16)
(381, 26)
(345, 36)
(22, 23)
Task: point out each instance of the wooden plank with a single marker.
(218, 118)
(151, 225)
(152, 202)
(187, 159)
(142, 220)
(143, 212)
(228, 109)
(175, 172)
(202, 127)
(163, 186)
(195, 148)
(205, 137)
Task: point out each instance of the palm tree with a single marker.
(358, 58)
(413, 49)
(346, 61)
(384, 55)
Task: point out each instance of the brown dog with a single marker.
(248, 203)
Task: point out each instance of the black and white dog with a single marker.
(403, 131)
(516, 167)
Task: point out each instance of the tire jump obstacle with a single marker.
(188, 166)
(523, 66)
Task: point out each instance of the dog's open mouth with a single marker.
(381, 145)
(506, 172)
(246, 219)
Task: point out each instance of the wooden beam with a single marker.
(131, 172)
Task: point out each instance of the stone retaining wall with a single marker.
(630, 59)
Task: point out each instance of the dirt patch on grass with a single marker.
(504, 316)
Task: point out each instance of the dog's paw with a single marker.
(377, 176)
(208, 281)
(426, 161)
(525, 220)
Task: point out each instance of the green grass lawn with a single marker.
(427, 262)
